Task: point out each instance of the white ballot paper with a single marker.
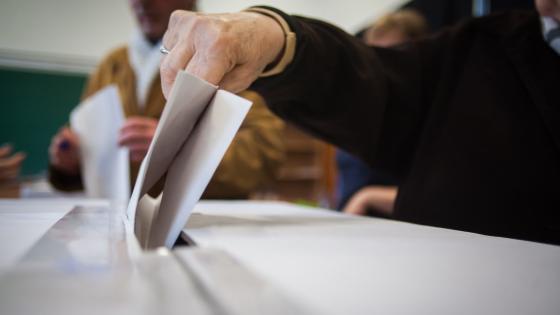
(196, 127)
(105, 165)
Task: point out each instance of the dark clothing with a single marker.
(442, 13)
(469, 120)
(354, 174)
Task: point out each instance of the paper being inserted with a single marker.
(105, 165)
(196, 127)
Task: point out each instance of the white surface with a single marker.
(235, 289)
(22, 223)
(105, 165)
(87, 264)
(370, 266)
(196, 128)
(156, 284)
(325, 263)
(67, 28)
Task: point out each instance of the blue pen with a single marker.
(64, 145)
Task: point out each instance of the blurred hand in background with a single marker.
(379, 200)
(136, 135)
(64, 151)
(10, 164)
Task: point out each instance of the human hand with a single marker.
(380, 198)
(9, 165)
(64, 151)
(136, 135)
(229, 50)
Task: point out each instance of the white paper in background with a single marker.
(190, 157)
(105, 166)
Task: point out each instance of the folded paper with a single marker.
(197, 125)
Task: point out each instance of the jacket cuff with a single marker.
(287, 26)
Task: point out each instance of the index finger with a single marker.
(171, 64)
(180, 52)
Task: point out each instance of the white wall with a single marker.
(73, 34)
(62, 31)
(351, 15)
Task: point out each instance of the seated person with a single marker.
(252, 158)
(10, 164)
(362, 190)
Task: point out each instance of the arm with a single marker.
(253, 157)
(371, 102)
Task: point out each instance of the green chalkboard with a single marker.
(34, 105)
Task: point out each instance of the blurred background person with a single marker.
(444, 13)
(396, 28)
(361, 189)
(253, 157)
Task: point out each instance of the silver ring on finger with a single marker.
(164, 50)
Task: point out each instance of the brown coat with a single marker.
(251, 160)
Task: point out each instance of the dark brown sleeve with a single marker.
(369, 101)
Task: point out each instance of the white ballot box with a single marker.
(340, 264)
(81, 257)
(264, 258)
